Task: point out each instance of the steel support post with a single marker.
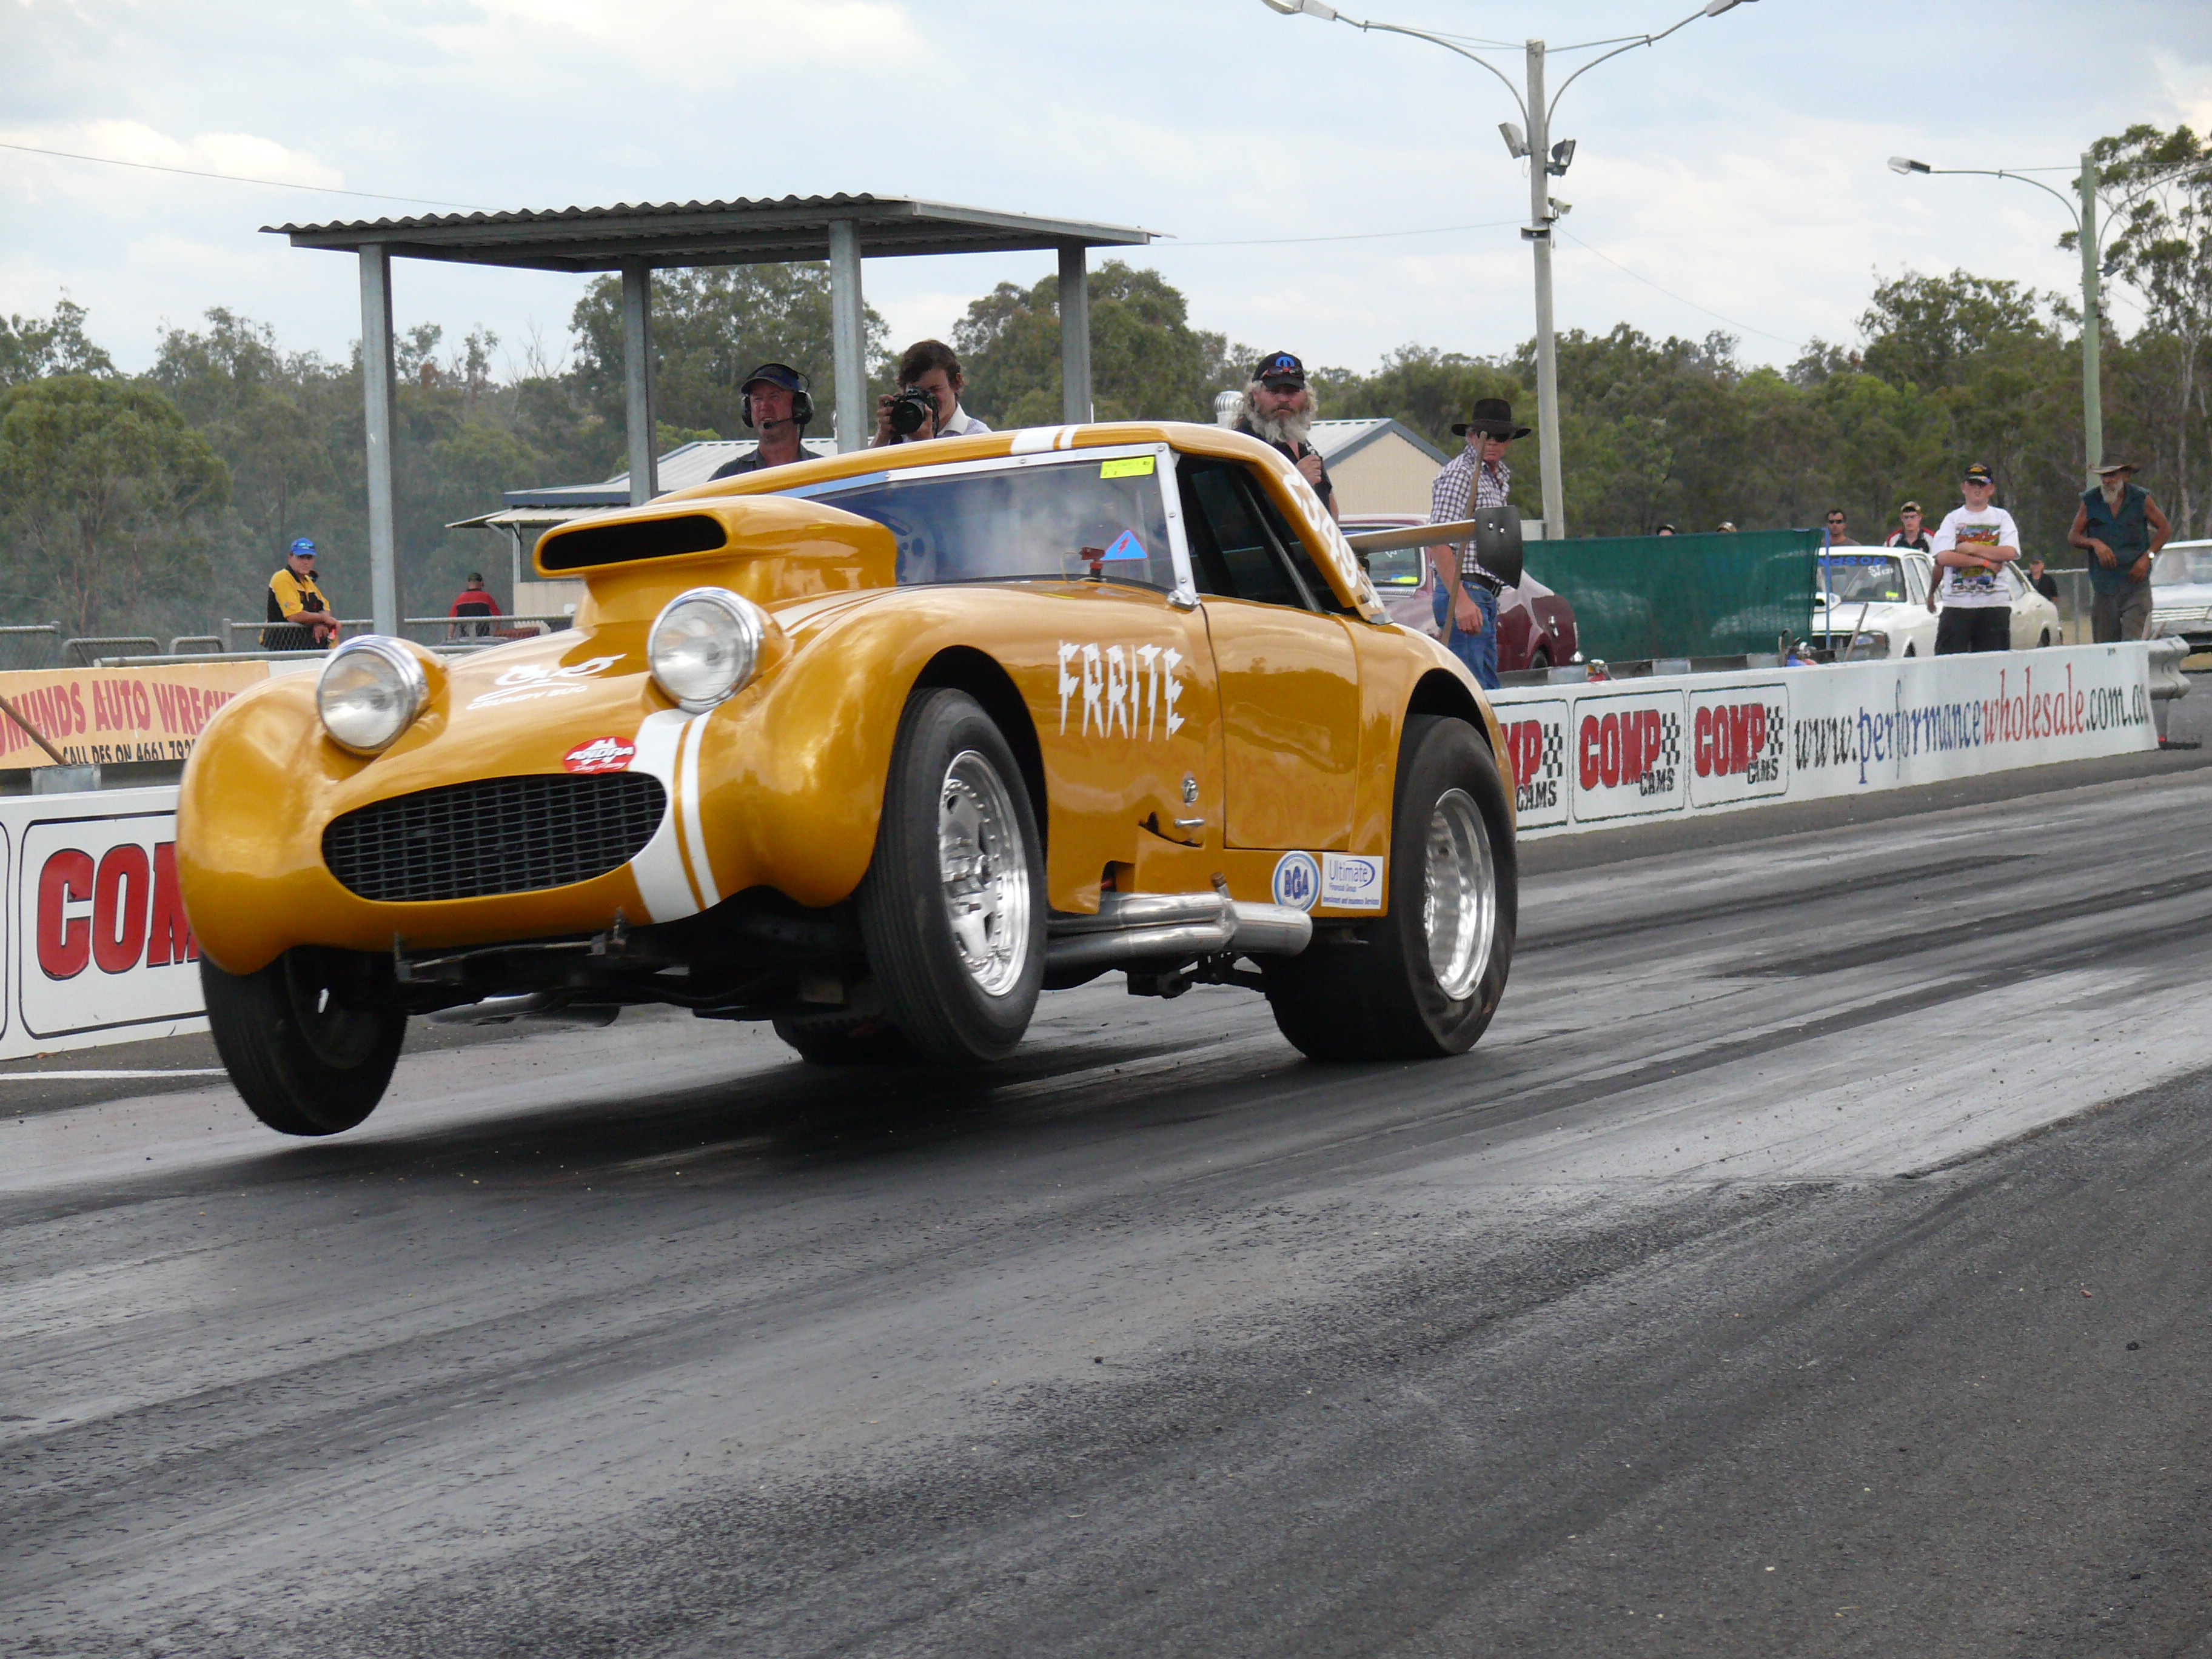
(637, 380)
(377, 382)
(849, 337)
(2093, 397)
(1547, 358)
(1075, 332)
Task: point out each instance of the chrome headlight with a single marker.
(370, 691)
(1871, 645)
(704, 646)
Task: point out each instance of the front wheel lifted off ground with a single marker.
(1423, 979)
(952, 908)
(300, 1040)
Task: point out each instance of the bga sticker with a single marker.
(1297, 881)
(1350, 883)
(600, 755)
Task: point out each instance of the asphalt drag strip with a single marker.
(1728, 1298)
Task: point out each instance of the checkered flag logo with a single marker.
(1554, 761)
(1670, 739)
(1775, 720)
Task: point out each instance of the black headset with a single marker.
(802, 400)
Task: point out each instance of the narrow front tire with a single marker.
(301, 1039)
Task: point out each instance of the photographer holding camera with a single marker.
(927, 403)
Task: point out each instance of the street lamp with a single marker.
(2084, 225)
(1547, 160)
(2084, 215)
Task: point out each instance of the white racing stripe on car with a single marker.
(700, 868)
(1034, 440)
(662, 880)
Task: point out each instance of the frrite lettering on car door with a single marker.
(1125, 690)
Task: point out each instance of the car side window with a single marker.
(1317, 584)
(1239, 546)
(1081, 518)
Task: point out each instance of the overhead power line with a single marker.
(1671, 294)
(1355, 236)
(237, 178)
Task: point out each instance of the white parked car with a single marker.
(2181, 594)
(1876, 606)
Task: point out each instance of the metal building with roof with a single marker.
(637, 240)
(1377, 466)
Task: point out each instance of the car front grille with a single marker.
(494, 835)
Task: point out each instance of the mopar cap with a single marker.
(1279, 368)
(1978, 474)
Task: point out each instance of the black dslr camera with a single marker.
(912, 408)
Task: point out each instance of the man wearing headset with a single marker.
(777, 404)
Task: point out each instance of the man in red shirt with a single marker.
(473, 601)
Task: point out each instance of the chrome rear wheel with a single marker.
(1460, 912)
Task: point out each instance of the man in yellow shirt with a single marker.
(294, 599)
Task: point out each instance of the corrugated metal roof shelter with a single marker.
(636, 241)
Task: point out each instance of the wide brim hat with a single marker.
(1493, 415)
(2111, 467)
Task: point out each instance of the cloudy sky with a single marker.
(1731, 177)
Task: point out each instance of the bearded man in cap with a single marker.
(2121, 529)
(1278, 408)
(1466, 594)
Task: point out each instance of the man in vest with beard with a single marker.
(2121, 529)
(1278, 410)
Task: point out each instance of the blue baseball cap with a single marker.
(303, 547)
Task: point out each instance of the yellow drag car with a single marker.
(877, 748)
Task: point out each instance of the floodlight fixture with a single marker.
(1310, 8)
(1516, 142)
(1907, 164)
(1563, 157)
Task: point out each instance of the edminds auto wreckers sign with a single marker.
(98, 947)
(1626, 755)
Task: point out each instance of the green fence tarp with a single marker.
(1721, 595)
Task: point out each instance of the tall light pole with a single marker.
(1547, 160)
(2085, 230)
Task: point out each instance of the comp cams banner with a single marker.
(1597, 755)
(97, 945)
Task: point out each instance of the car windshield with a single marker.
(1065, 520)
(2183, 564)
(1396, 567)
(1854, 578)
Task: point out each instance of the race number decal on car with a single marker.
(600, 755)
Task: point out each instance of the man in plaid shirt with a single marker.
(1466, 594)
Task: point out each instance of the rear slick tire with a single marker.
(306, 1056)
(1423, 980)
(952, 908)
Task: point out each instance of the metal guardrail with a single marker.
(495, 631)
(49, 633)
(87, 649)
(197, 645)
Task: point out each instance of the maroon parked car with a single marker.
(1536, 626)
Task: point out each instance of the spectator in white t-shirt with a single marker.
(1972, 546)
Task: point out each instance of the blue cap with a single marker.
(303, 547)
